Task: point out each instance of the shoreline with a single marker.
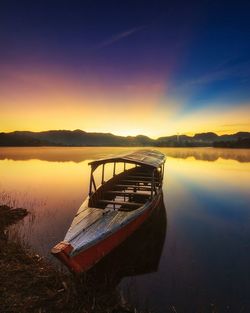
(132, 147)
(30, 283)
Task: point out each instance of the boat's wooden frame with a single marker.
(113, 210)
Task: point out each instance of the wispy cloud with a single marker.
(120, 36)
(239, 125)
(237, 70)
(226, 72)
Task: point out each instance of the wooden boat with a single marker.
(114, 210)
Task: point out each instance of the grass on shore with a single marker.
(29, 283)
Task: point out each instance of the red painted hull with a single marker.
(87, 258)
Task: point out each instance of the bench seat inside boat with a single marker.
(139, 177)
(136, 181)
(127, 193)
(118, 202)
(133, 186)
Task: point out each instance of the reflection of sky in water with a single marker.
(207, 250)
(206, 254)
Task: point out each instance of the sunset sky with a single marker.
(126, 67)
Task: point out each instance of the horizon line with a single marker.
(95, 132)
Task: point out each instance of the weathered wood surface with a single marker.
(147, 157)
(133, 186)
(127, 193)
(118, 202)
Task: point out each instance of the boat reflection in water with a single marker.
(139, 254)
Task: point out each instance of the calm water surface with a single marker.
(192, 256)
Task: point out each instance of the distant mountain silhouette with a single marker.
(239, 143)
(206, 137)
(82, 138)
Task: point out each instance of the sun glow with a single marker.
(49, 101)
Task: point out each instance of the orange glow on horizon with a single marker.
(40, 102)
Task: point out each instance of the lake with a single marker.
(194, 253)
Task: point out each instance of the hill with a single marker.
(82, 138)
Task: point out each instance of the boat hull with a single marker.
(88, 257)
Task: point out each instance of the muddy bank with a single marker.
(29, 283)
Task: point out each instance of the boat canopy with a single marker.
(150, 158)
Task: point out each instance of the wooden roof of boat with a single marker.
(151, 158)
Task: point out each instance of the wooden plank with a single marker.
(133, 186)
(121, 203)
(136, 181)
(82, 221)
(126, 193)
(95, 230)
(139, 176)
(142, 173)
